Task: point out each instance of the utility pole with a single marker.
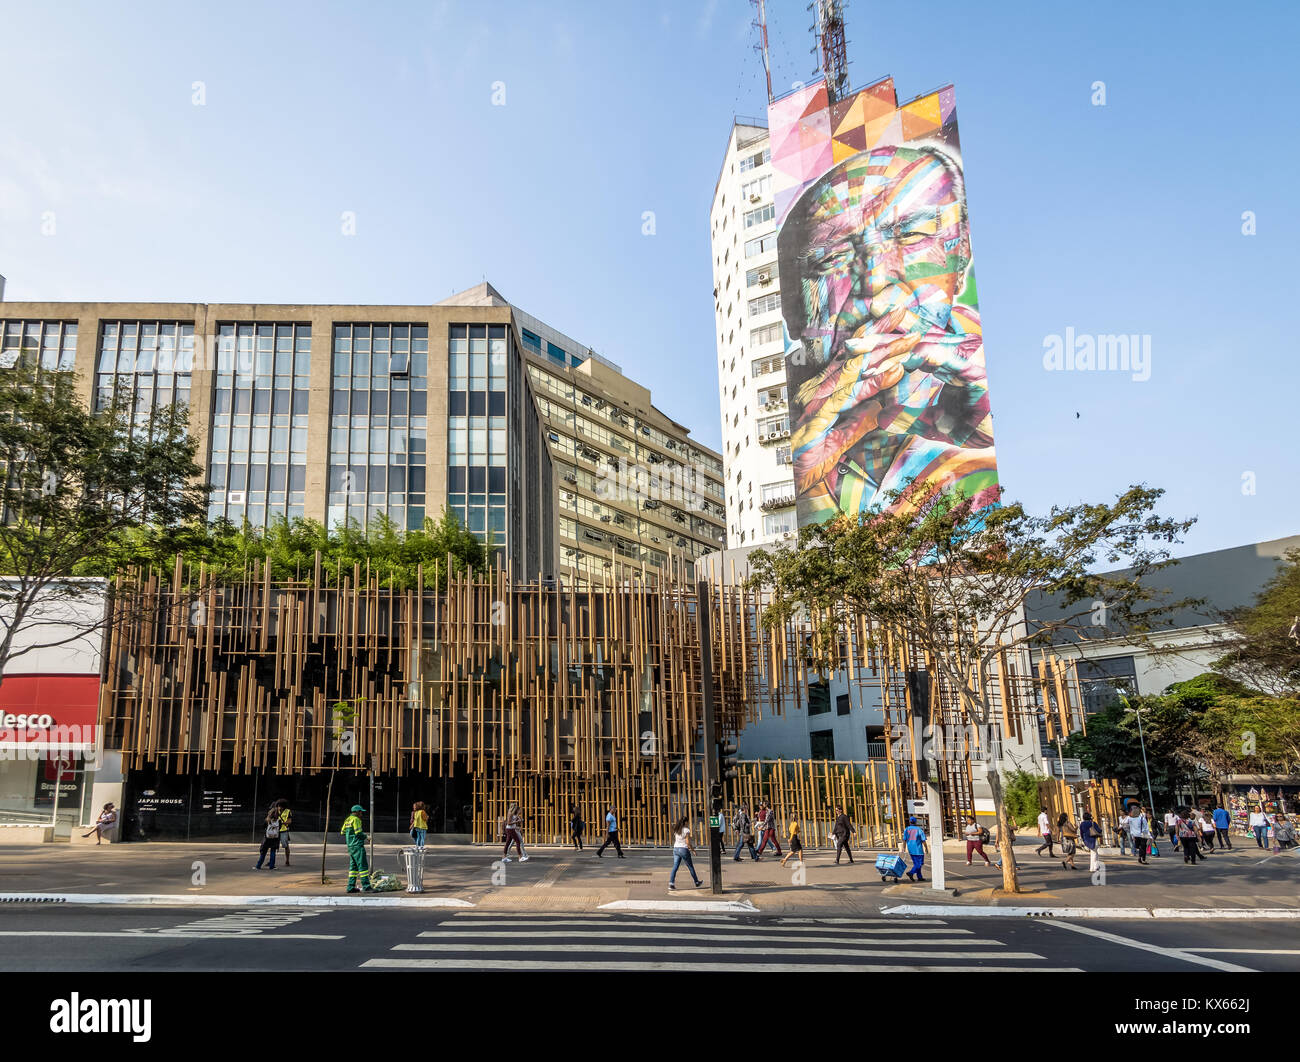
(712, 774)
(761, 23)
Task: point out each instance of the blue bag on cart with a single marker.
(890, 865)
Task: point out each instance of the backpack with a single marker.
(273, 828)
(985, 836)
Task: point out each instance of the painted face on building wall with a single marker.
(887, 378)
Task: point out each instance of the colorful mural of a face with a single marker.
(885, 359)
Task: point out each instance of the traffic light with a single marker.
(715, 798)
(727, 771)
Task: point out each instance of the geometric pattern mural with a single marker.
(884, 351)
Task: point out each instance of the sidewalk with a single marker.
(561, 879)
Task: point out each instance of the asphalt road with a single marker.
(111, 938)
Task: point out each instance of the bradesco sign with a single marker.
(42, 711)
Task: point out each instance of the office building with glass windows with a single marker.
(333, 413)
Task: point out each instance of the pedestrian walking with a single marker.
(270, 838)
(576, 826)
(1185, 830)
(1206, 825)
(104, 824)
(1258, 824)
(1283, 832)
(419, 823)
(915, 842)
(976, 836)
(768, 836)
(1045, 832)
(611, 834)
(796, 844)
(744, 833)
(842, 832)
(286, 822)
(1068, 834)
(1090, 834)
(1171, 828)
(682, 849)
(1222, 823)
(1140, 827)
(514, 834)
(1122, 833)
(355, 838)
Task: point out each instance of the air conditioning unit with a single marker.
(755, 197)
(787, 534)
(765, 278)
(235, 497)
(783, 435)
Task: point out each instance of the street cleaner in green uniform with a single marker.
(355, 837)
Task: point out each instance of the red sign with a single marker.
(39, 709)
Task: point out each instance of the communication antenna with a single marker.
(829, 28)
(761, 47)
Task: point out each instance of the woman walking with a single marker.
(104, 824)
(514, 834)
(1185, 829)
(682, 849)
(419, 823)
(1090, 834)
(1207, 832)
(1258, 824)
(1066, 831)
(976, 835)
(576, 826)
(796, 845)
(1140, 829)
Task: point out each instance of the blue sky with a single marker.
(1123, 218)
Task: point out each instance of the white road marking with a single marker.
(157, 934)
(702, 967)
(678, 949)
(1244, 951)
(772, 937)
(1172, 953)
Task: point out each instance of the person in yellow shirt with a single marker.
(286, 821)
(419, 823)
(796, 845)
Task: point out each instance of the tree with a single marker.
(74, 485)
(1262, 647)
(953, 577)
(227, 550)
(1022, 795)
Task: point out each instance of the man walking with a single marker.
(1045, 832)
(611, 834)
(1171, 828)
(769, 832)
(1221, 824)
(1140, 827)
(355, 838)
(1125, 821)
(286, 821)
(842, 831)
(914, 839)
(744, 833)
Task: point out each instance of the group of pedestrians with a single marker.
(275, 837)
(1069, 835)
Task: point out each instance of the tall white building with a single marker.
(751, 359)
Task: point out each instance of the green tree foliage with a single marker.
(228, 551)
(1022, 797)
(955, 578)
(75, 486)
(1264, 651)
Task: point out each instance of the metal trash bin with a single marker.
(414, 859)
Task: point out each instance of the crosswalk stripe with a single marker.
(700, 967)
(650, 949)
(488, 918)
(611, 936)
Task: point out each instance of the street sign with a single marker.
(715, 822)
(918, 807)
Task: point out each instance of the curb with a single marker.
(165, 900)
(948, 911)
(715, 906)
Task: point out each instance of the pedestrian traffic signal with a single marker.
(715, 798)
(727, 770)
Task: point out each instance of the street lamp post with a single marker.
(1143, 742)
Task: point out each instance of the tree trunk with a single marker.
(1010, 880)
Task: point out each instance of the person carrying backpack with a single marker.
(744, 834)
(767, 832)
(270, 839)
(1186, 831)
(976, 837)
(576, 826)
